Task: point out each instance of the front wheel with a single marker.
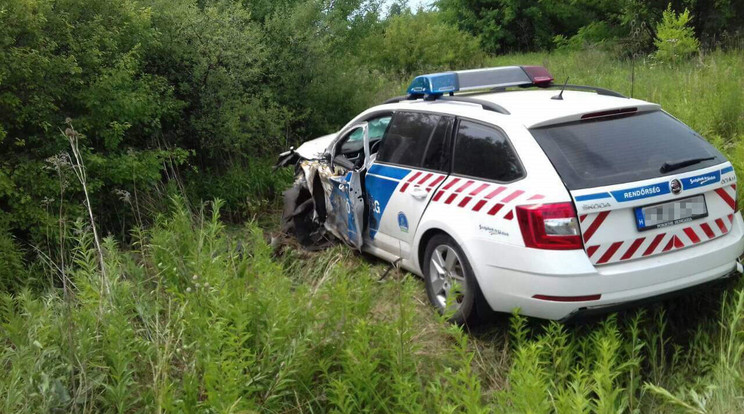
(450, 282)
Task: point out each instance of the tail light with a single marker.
(550, 226)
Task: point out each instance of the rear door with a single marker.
(409, 167)
(643, 184)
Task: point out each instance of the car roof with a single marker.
(534, 108)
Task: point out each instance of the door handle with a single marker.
(418, 193)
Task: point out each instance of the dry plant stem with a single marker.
(79, 168)
(63, 270)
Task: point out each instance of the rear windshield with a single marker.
(594, 153)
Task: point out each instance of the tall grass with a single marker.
(203, 319)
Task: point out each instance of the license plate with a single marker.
(671, 213)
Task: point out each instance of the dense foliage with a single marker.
(197, 317)
(182, 94)
(523, 25)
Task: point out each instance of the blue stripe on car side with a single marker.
(381, 182)
(597, 196)
(713, 177)
(389, 171)
(653, 190)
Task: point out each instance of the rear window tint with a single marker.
(406, 140)
(485, 152)
(617, 150)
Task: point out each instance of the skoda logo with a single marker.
(676, 186)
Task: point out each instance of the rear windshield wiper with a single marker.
(667, 167)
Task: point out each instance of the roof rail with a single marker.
(488, 106)
(598, 90)
(399, 98)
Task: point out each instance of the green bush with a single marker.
(675, 39)
(13, 274)
(158, 86)
(595, 34)
(413, 43)
(247, 189)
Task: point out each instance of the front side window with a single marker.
(407, 138)
(354, 141)
(485, 152)
(377, 127)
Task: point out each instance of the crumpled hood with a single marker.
(315, 148)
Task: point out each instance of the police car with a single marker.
(503, 190)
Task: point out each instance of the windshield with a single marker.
(595, 153)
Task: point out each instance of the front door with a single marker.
(409, 167)
(345, 218)
(348, 208)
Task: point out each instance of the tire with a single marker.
(450, 282)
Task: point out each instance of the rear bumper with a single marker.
(620, 284)
(580, 313)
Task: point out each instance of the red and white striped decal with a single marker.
(728, 195)
(493, 199)
(593, 225)
(409, 180)
(643, 246)
(428, 180)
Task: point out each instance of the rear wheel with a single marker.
(450, 282)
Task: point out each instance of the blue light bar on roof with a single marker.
(465, 80)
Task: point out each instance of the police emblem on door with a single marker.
(402, 222)
(676, 186)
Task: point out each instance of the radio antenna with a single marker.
(632, 74)
(559, 97)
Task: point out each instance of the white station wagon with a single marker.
(558, 200)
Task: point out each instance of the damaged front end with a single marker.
(305, 209)
(326, 196)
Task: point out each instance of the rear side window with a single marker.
(414, 139)
(485, 152)
(611, 151)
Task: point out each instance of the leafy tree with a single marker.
(521, 25)
(675, 39)
(418, 42)
(515, 25)
(84, 60)
(165, 89)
